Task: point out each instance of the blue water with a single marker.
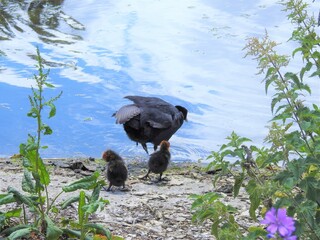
(186, 52)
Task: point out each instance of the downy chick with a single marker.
(117, 172)
(159, 160)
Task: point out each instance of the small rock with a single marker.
(141, 193)
(180, 219)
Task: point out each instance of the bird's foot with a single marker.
(124, 189)
(107, 189)
(165, 179)
(145, 177)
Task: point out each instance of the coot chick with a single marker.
(150, 119)
(159, 160)
(117, 172)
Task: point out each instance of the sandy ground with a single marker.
(148, 210)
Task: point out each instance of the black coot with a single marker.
(150, 119)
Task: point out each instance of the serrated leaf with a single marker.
(312, 188)
(293, 77)
(316, 73)
(299, 49)
(306, 87)
(270, 71)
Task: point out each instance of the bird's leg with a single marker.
(159, 180)
(146, 176)
(144, 145)
(124, 189)
(110, 185)
(155, 147)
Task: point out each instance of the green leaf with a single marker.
(81, 212)
(255, 233)
(255, 193)
(312, 188)
(238, 183)
(95, 193)
(27, 182)
(21, 198)
(299, 49)
(293, 77)
(49, 85)
(91, 208)
(214, 229)
(282, 116)
(10, 230)
(69, 201)
(307, 211)
(316, 73)
(7, 198)
(20, 233)
(53, 232)
(43, 172)
(84, 183)
(100, 229)
(305, 69)
(53, 110)
(73, 233)
(47, 130)
(13, 213)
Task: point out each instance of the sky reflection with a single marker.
(186, 52)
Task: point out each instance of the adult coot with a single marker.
(117, 172)
(159, 160)
(150, 119)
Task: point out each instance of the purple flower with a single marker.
(278, 222)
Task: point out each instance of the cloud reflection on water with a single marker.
(187, 52)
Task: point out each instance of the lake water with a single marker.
(188, 52)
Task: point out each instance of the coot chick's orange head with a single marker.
(110, 155)
(164, 145)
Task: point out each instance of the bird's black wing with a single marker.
(155, 111)
(126, 112)
(147, 101)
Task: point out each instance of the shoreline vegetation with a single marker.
(267, 192)
(147, 210)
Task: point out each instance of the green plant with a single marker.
(286, 173)
(34, 208)
(87, 205)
